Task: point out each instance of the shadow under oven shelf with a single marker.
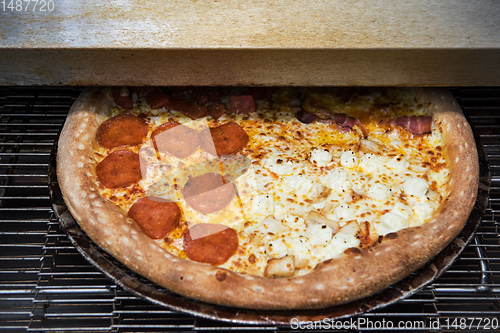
(47, 286)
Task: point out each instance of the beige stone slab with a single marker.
(252, 67)
(255, 24)
(201, 42)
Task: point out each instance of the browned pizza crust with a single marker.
(356, 274)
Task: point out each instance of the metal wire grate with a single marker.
(46, 285)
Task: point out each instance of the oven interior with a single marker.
(47, 286)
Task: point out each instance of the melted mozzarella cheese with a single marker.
(301, 168)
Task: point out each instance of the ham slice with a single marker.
(122, 97)
(305, 117)
(344, 123)
(343, 120)
(244, 104)
(415, 124)
(156, 99)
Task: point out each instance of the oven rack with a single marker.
(47, 286)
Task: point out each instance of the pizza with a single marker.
(269, 198)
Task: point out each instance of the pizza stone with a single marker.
(357, 273)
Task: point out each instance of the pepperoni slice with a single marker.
(228, 139)
(142, 91)
(122, 130)
(208, 193)
(205, 95)
(179, 140)
(187, 107)
(156, 218)
(260, 93)
(216, 110)
(163, 127)
(120, 169)
(122, 97)
(156, 99)
(210, 243)
(197, 111)
(242, 104)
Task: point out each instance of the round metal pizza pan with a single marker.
(145, 289)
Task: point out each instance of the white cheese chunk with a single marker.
(369, 163)
(263, 204)
(402, 210)
(343, 213)
(279, 166)
(321, 157)
(423, 210)
(294, 222)
(298, 184)
(416, 187)
(348, 159)
(390, 222)
(280, 210)
(277, 248)
(379, 192)
(395, 220)
(358, 181)
(299, 247)
(398, 163)
(339, 243)
(319, 234)
(336, 179)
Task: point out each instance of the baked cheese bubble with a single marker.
(303, 192)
